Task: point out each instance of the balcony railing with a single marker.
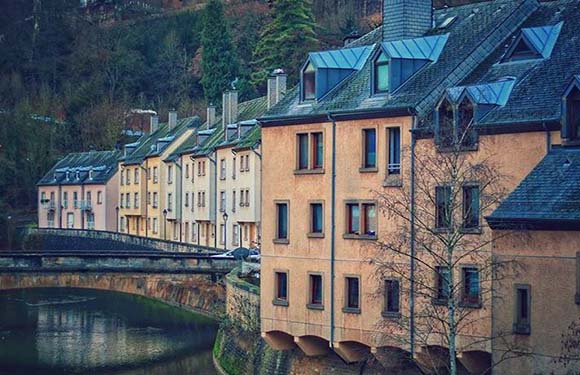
(48, 204)
(86, 206)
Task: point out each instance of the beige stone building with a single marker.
(356, 126)
(80, 192)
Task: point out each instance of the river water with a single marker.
(72, 331)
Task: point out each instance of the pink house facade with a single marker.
(80, 192)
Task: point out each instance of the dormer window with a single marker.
(455, 124)
(571, 112)
(445, 124)
(381, 81)
(533, 43)
(309, 82)
(465, 125)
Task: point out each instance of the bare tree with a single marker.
(440, 251)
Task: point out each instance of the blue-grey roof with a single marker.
(345, 58)
(493, 93)
(93, 167)
(543, 38)
(550, 193)
(426, 48)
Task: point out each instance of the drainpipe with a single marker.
(214, 162)
(548, 137)
(60, 206)
(412, 278)
(332, 227)
(259, 226)
(81, 206)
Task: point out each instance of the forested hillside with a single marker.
(71, 70)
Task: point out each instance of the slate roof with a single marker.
(540, 83)
(427, 48)
(103, 165)
(549, 194)
(346, 58)
(493, 93)
(162, 136)
(479, 29)
(248, 110)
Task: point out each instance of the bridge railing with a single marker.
(130, 239)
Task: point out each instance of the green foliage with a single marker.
(219, 62)
(285, 41)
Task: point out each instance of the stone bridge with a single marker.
(191, 281)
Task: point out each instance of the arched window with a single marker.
(445, 112)
(381, 74)
(309, 82)
(465, 126)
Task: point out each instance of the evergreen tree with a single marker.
(286, 41)
(219, 62)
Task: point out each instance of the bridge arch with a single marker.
(197, 292)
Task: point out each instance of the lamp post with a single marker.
(165, 223)
(225, 217)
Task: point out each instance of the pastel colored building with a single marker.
(148, 199)
(80, 192)
(349, 130)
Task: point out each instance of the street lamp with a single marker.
(225, 217)
(165, 223)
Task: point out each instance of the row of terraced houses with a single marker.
(307, 176)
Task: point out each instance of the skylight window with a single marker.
(382, 74)
(447, 22)
(309, 82)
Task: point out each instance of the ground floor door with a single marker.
(70, 220)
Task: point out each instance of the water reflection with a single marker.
(68, 331)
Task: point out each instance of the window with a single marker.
(122, 201)
(50, 219)
(247, 163)
(234, 167)
(193, 233)
(222, 234)
(236, 235)
(445, 124)
(186, 170)
(52, 198)
(149, 173)
(99, 197)
(169, 174)
(246, 232)
(91, 221)
(76, 199)
(169, 201)
(471, 289)
(315, 299)
(352, 295)
(155, 200)
(443, 284)
(281, 288)
(471, 207)
(381, 74)
(222, 201)
(443, 207)
(122, 178)
(571, 130)
(317, 151)
(392, 298)
(302, 151)
(247, 196)
(316, 219)
(155, 175)
(394, 162)
(465, 131)
(309, 82)
(233, 201)
(186, 200)
(361, 220)
(43, 197)
(369, 148)
(128, 177)
(353, 218)
(149, 198)
(136, 176)
(281, 222)
(522, 320)
(65, 200)
(136, 201)
(223, 169)
(122, 224)
(155, 225)
(128, 200)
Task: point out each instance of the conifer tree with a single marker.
(286, 40)
(219, 61)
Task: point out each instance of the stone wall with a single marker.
(79, 239)
(193, 292)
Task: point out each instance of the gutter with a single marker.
(332, 227)
(344, 115)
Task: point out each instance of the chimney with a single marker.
(276, 87)
(230, 107)
(172, 119)
(154, 122)
(406, 19)
(210, 115)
